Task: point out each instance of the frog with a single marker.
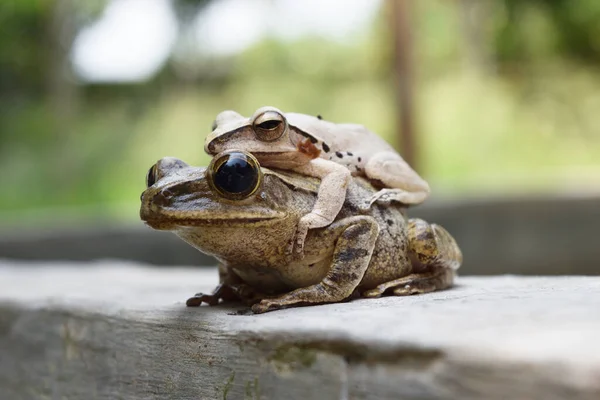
(243, 214)
(318, 148)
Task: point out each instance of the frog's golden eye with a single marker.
(151, 176)
(234, 174)
(269, 126)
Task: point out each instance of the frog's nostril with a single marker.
(163, 198)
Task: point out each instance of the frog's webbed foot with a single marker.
(351, 257)
(227, 292)
(222, 291)
(402, 183)
(435, 257)
(386, 196)
(308, 221)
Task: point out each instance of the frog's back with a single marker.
(339, 137)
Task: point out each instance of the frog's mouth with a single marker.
(166, 224)
(214, 216)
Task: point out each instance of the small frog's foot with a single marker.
(437, 279)
(403, 183)
(309, 221)
(386, 196)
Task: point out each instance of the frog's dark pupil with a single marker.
(272, 124)
(236, 175)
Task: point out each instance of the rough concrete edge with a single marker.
(452, 373)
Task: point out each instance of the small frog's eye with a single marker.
(234, 175)
(269, 126)
(151, 176)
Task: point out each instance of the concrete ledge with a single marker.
(115, 330)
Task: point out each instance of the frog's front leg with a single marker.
(330, 198)
(402, 183)
(351, 256)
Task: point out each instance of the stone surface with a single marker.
(115, 330)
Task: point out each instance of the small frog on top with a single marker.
(314, 147)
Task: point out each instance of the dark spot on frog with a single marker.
(335, 278)
(352, 208)
(390, 222)
(350, 254)
(311, 265)
(339, 154)
(319, 116)
(350, 154)
(214, 125)
(359, 159)
(355, 231)
(326, 147)
(425, 236)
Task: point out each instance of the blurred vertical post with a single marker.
(400, 19)
(61, 86)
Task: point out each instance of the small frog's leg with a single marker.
(435, 257)
(402, 183)
(230, 288)
(351, 257)
(330, 198)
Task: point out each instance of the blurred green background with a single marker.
(93, 92)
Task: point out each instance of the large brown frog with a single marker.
(246, 216)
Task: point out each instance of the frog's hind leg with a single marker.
(402, 183)
(435, 257)
(351, 257)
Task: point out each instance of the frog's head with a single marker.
(265, 132)
(231, 207)
(230, 190)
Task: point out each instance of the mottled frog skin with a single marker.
(364, 253)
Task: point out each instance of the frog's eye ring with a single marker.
(151, 176)
(269, 126)
(234, 175)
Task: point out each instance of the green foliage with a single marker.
(564, 27)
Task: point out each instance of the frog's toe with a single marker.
(370, 294)
(408, 290)
(199, 298)
(265, 306)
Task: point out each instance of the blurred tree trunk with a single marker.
(62, 93)
(61, 88)
(401, 20)
(474, 18)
